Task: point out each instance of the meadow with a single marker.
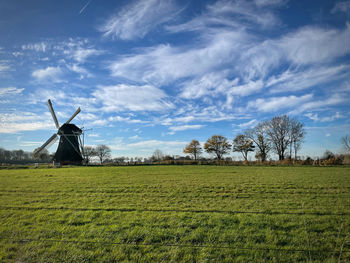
(175, 214)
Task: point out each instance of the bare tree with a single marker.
(194, 148)
(44, 155)
(243, 145)
(259, 136)
(119, 160)
(297, 135)
(89, 152)
(102, 152)
(279, 135)
(346, 142)
(18, 154)
(217, 145)
(158, 155)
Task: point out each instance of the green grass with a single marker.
(175, 214)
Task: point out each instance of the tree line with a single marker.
(281, 135)
(16, 155)
(102, 152)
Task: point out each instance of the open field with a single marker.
(175, 213)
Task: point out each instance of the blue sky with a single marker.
(155, 74)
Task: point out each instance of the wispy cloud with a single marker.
(343, 6)
(81, 54)
(125, 119)
(42, 95)
(129, 97)
(80, 70)
(4, 68)
(163, 64)
(315, 45)
(210, 84)
(22, 121)
(84, 7)
(174, 129)
(299, 79)
(246, 12)
(39, 47)
(10, 91)
(139, 18)
(53, 74)
(147, 147)
(77, 49)
(248, 124)
(335, 99)
(316, 118)
(234, 14)
(274, 104)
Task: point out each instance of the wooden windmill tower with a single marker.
(70, 148)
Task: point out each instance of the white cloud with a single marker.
(80, 70)
(270, 3)
(156, 144)
(341, 7)
(139, 18)
(234, 14)
(77, 49)
(248, 124)
(164, 64)
(316, 118)
(135, 137)
(93, 135)
(174, 129)
(335, 99)
(38, 47)
(305, 78)
(245, 12)
(98, 123)
(4, 68)
(10, 91)
(81, 54)
(209, 84)
(135, 98)
(274, 104)
(337, 115)
(29, 144)
(147, 147)
(185, 119)
(125, 119)
(86, 116)
(246, 89)
(53, 74)
(313, 44)
(22, 121)
(58, 96)
(259, 58)
(312, 116)
(199, 114)
(17, 54)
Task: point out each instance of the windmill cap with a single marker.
(69, 128)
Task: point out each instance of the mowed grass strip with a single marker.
(175, 213)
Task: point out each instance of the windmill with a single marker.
(70, 148)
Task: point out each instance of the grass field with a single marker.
(175, 214)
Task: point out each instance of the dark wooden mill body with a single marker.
(68, 150)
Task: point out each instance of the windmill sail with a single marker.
(74, 114)
(47, 144)
(49, 104)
